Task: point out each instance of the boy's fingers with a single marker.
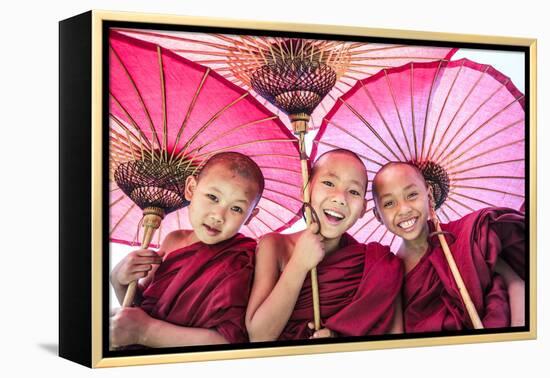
(147, 260)
(310, 325)
(146, 253)
(314, 227)
(141, 268)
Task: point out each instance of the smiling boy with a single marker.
(198, 293)
(358, 284)
(485, 245)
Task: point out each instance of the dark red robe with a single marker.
(358, 285)
(205, 286)
(431, 300)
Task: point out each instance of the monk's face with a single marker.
(221, 202)
(338, 193)
(402, 201)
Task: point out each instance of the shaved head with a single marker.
(238, 164)
(340, 151)
(393, 164)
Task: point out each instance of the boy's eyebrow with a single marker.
(356, 182)
(404, 189)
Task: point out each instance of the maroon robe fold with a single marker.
(358, 285)
(204, 286)
(431, 300)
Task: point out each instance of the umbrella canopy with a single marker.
(291, 75)
(168, 115)
(462, 123)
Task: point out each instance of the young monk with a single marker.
(359, 284)
(485, 244)
(199, 292)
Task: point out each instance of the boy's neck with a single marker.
(331, 245)
(416, 247)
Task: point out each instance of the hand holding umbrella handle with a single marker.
(466, 299)
(151, 221)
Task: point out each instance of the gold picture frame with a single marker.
(83, 256)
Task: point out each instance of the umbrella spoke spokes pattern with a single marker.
(168, 115)
(462, 123)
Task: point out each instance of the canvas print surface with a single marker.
(269, 189)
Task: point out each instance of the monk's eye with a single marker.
(354, 192)
(212, 197)
(237, 209)
(328, 183)
(412, 195)
(388, 204)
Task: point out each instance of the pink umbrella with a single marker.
(168, 115)
(239, 57)
(461, 122)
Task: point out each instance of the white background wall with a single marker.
(29, 162)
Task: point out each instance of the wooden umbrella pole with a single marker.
(470, 308)
(299, 124)
(151, 221)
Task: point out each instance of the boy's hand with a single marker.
(323, 332)
(128, 326)
(135, 265)
(309, 249)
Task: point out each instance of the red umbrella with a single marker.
(462, 123)
(168, 115)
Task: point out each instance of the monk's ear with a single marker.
(431, 196)
(364, 210)
(190, 186)
(252, 215)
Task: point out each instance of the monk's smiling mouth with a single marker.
(408, 224)
(334, 217)
(211, 230)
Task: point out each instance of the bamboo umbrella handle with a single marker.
(313, 272)
(150, 223)
(470, 308)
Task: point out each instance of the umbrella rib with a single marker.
(121, 219)
(133, 122)
(280, 169)
(398, 113)
(359, 140)
(444, 213)
(189, 111)
(173, 37)
(447, 96)
(282, 194)
(369, 126)
(364, 224)
(412, 111)
(383, 120)
(427, 114)
(474, 86)
(278, 205)
(373, 232)
(460, 203)
(164, 113)
(473, 199)
(120, 149)
(458, 164)
(257, 218)
(283, 182)
(489, 177)
(220, 136)
(463, 126)
(489, 190)
(272, 214)
(461, 143)
(117, 200)
(208, 123)
(142, 102)
(247, 144)
(451, 173)
(128, 132)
